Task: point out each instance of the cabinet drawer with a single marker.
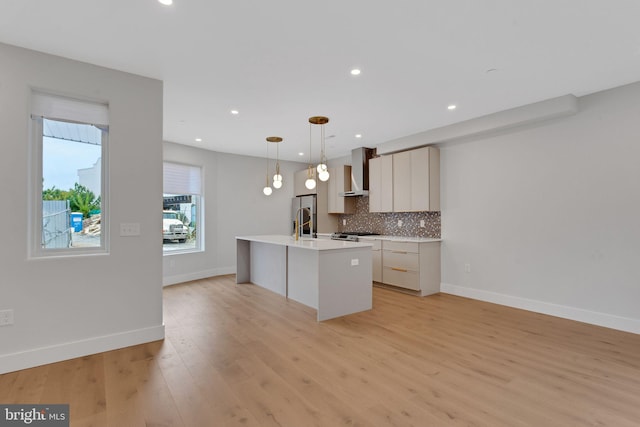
(398, 259)
(401, 246)
(402, 278)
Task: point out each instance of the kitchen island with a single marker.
(334, 277)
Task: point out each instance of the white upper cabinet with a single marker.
(402, 181)
(339, 182)
(381, 184)
(416, 180)
(408, 181)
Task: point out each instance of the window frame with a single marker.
(200, 227)
(35, 228)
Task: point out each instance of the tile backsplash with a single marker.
(387, 222)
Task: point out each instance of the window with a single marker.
(182, 225)
(68, 201)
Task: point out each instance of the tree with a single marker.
(83, 200)
(54, 193)
(80, 198)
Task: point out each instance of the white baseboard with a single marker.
(56, 353)
(197, 275)
(593, 317)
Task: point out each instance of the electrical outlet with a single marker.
(399, 223)
(6, 317)
(467, 268)
(130, 229)
(355, 261)
(422, 223)
(344, 222)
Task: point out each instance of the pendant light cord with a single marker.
(310, 164)
(267, 175)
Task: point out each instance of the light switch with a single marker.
(6, 317)
(130, 229)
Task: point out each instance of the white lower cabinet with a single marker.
(376, 257)
(407, 265)
(412, 265)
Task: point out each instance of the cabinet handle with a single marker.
(398, 252)
(399, 269)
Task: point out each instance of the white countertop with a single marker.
(392, 238)
(305, 243)
(402, 238)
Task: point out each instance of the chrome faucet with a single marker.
(304, 223)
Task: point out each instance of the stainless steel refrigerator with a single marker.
(304, 208)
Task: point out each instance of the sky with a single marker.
(61, 160)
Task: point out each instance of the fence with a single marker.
(56, 229)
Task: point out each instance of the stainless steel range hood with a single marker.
(359, 172)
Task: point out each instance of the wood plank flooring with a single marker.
(238, 355)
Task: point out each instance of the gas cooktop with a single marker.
(358, 233)
(351, 236)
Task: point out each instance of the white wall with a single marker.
(72, 306)
(548, 216)
(234, 206)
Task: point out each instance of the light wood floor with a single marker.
(240, 355)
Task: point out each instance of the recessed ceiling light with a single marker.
(451, 107)
(355, 72)
(166, 2)
(300, 154)
(235, 112)
(358, 135)
(198, 139)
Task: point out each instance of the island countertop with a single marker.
(304, 243)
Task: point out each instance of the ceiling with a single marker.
(279, 62)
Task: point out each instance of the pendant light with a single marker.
(277, 178)
(323, 170)
(267, 188)
(310, 183)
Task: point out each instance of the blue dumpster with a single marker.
(76, 221)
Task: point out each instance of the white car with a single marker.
(173, 228)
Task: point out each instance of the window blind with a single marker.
(69, 109)
(182, 179)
